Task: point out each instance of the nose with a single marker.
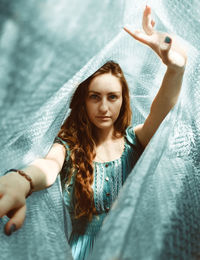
(103, 106)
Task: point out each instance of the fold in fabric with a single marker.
(46, 50)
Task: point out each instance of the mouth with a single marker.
(103, 117)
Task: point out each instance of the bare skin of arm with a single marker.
(14, 187)
(164, 101)
(175, 58)
(44, 171)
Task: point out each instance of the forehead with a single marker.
(105, 83)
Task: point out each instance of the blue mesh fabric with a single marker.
(46, 50)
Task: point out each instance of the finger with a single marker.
(164, 48)
(16, 221)
(6, 204)
(138, 35)
(146, 21)
(153, 23)
(11, 213)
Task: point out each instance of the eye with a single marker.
(112, 97)
(94, 97)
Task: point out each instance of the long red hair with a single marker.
(79, 133)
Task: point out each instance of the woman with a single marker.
(96, 147)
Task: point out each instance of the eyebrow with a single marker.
(114, 92)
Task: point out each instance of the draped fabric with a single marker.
(47, 48)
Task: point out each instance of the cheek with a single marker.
(89, 109)
(118, 107)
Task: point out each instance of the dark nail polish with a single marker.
(168, 39)
(11, 230)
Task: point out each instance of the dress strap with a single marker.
(132, 138)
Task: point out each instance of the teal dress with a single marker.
(108, 179)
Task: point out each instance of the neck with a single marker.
(104, 135)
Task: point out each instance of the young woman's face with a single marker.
(104, 100)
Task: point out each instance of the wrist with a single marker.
(175, 71)
(21, 181)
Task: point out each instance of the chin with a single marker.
(104, 125)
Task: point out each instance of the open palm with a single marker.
(166, 46)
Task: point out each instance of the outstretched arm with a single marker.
(14, 187)
(175, 58)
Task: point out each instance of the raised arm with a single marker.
(175, 58)
(14, 187)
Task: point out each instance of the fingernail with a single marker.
(11, 230)
(168, 39)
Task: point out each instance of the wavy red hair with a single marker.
(79, 133)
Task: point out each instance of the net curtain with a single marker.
(47, 49)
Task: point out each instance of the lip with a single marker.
(103, 117)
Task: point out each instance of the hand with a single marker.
(167, 48)
(13, 190)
